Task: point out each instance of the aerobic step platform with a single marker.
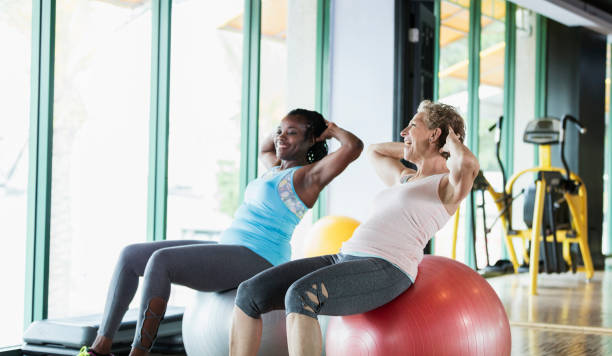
(66, 336)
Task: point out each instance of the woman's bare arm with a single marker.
(314, 177)
(267, 152)
(463, 167)
(385, 157)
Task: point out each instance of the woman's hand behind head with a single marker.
(452, 140)
(311, 179)
(328, 133)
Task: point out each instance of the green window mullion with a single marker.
(40, 148)
(540, 76)
(322, 85)
(507, 134)
(436, 63)
(250, 93)
(159, 121)
(608, 173)
(472, 112)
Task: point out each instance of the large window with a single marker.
(453, 89)
(491, 107)
(100, 146)
(204, 133)
(204, 136)
(453, 68)
(15, 39)
(287, 74)
(288, 49)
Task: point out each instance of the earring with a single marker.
(310, 157)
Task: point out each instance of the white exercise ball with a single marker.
(207, 321)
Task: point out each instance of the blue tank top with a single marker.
(265, 220)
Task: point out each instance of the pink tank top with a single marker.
(402, 220)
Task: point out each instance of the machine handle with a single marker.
(582, 130)
(575, 121)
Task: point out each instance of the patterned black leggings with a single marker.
(327, 285)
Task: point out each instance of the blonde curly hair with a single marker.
(438, 115)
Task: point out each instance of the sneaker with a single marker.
(85, 352)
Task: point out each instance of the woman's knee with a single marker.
(131, 256)
(159, 262)
(248, 298)
(306, 298)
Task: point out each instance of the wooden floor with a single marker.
(569, 316)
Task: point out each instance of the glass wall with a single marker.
(453, 67)
(453, 90)
(491, 107)
(15, 39)
(287, 71)
(273, 68)
(100, 146)
(204, 136)
(491, 88)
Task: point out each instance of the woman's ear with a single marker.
(435, 135)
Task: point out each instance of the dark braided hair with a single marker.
(315, 125)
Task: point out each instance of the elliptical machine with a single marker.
(555, 207)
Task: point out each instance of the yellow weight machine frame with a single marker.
(576, 198)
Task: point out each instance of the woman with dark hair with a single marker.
(258, 238)
(379, 262)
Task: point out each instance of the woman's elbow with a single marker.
(355, 148)
(474, 167)
(372, 151)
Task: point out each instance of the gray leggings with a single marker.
(352, 284)
(201, 265)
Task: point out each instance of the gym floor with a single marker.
(569, 316)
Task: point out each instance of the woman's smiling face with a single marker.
(290, 139)
(416, 138)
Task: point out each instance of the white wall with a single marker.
(524, 96)
(362, 50)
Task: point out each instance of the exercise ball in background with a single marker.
(327, 235)
(450, 310)
(207, 321)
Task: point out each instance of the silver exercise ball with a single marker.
(206, 327)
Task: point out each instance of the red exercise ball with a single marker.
(450, 310)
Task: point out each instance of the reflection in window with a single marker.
(16, 33)
(204, 136)
(100, 152)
